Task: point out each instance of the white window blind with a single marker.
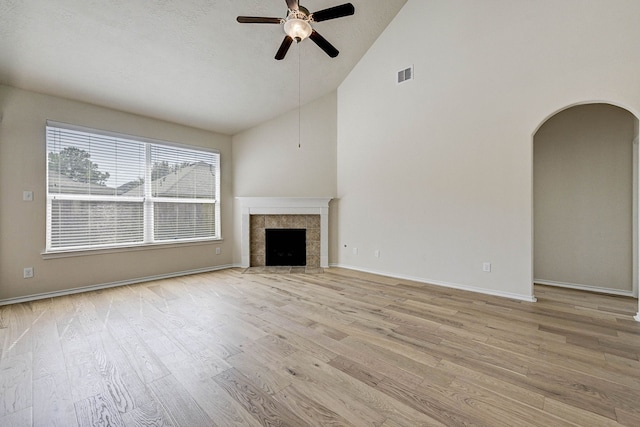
(109, 190)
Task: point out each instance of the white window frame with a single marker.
(148, 200)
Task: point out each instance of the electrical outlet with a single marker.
(27, 196)
(486, 267)
(376, 253)
(217, 251)
(27, 273)
(355, 251)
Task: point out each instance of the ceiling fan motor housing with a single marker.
(297, 25)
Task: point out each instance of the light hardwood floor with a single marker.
(340, 348)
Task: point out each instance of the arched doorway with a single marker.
(584, 197)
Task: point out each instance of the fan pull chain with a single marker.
(299, 98)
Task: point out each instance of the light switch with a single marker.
(27, 196)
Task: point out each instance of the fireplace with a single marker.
(308, 227)
(306, 213)
(285, 246)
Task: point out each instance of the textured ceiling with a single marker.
(185, 61)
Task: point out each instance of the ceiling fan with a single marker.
(297, 25)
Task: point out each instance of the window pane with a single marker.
(183, 173)
(84, 163)
(76, 223)
(177, 221)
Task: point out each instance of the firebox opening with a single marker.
(286, 246)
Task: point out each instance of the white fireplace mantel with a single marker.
(285, 206)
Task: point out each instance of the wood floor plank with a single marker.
(126, 389)
(84, 377)
(586, 391)
(18, 419)
(150, 414)
(579, 417)
(312, 412)
(395, 355)
(98, 411)
(221, 343)
(355, 395)
(503, 388)
(52, 401)
(17, 339)
(146, 363)
(48, 358)
(88, 315)
(595, 366)
(212, 398)
(276, 345)
(338, 348)
(627, 418)
(300, 335)
(495, 409)
(262, 406)
(15, 383)
(178, 403)
(371, 360)
(356, 370)
(440, 408)
(252, 364)
(345, 405)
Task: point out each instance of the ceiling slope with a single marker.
(185, 61)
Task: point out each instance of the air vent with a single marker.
(405, 75)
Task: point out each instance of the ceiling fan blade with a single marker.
(334, 12)
(324, 44)
(284, 48)
(292, 4)
(257, 20)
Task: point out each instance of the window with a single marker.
(109, 190)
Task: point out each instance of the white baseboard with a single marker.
(527, 298)
(588, 288)
(109, 285)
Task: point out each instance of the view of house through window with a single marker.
(106, 190)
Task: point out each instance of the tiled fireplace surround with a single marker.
(260, 213)
(259, 223)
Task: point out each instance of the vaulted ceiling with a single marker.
(185, 61)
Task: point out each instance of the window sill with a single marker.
(146, 247)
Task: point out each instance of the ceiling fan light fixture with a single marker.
(297, 25)
(298, 29)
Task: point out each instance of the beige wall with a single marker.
(436, 173)
(268, 163)
(583, 178)
(22, 224)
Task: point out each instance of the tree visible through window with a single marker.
(75, 164)
(108, 190)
